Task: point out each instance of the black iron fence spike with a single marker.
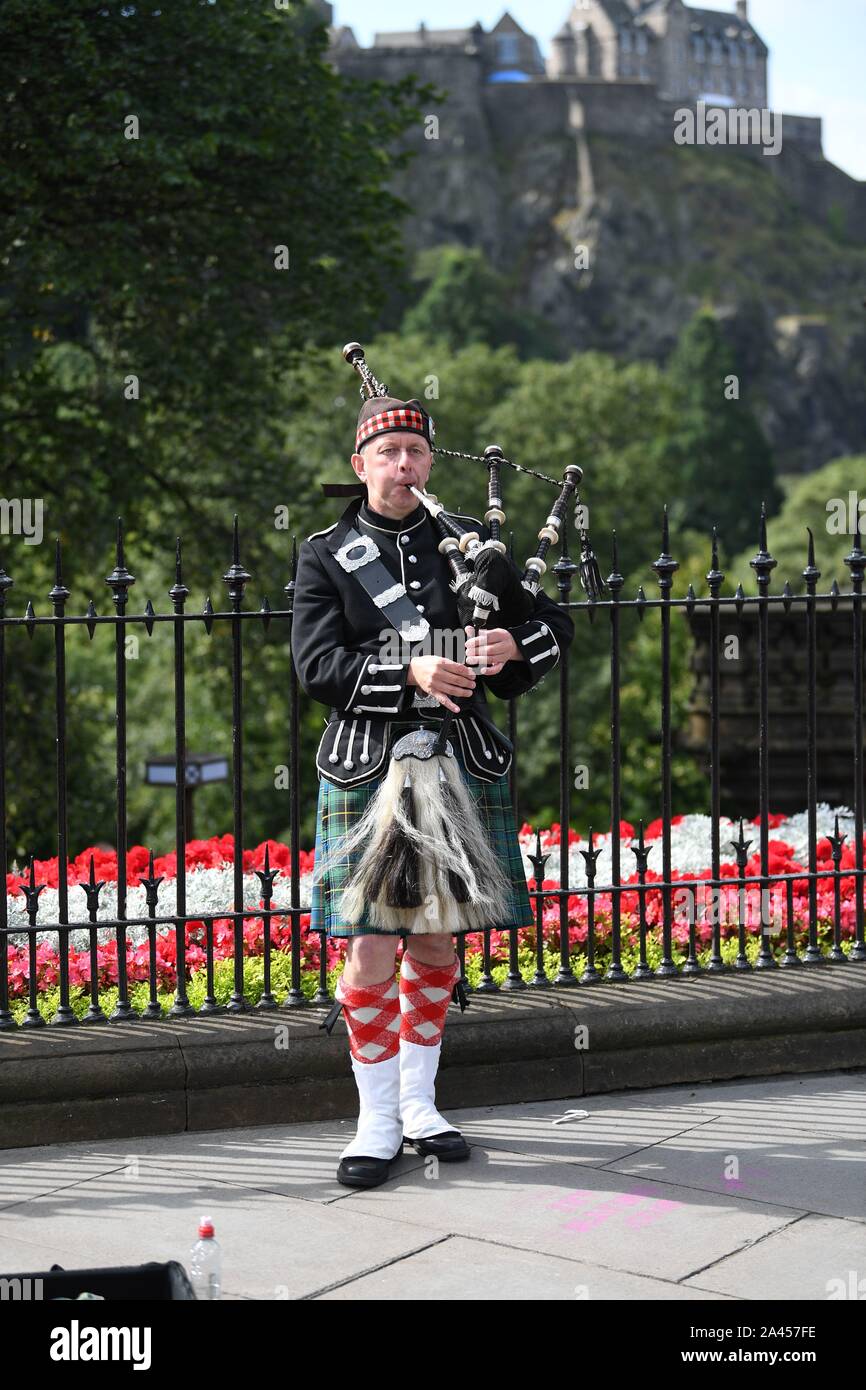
(120, 578)
(59, 593)
(811, 573)
(178, 591)
(856, 560)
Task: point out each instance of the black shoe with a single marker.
(360, 1171)
(450, 1145)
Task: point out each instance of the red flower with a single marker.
(655, 827)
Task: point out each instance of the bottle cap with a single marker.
(205, 1226)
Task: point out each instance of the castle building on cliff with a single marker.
(617, 67)
(687, 54)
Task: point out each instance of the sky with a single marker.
(817, 51)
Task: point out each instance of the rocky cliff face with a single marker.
(615, 235)
(669, 228)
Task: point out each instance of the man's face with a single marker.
(388, 464)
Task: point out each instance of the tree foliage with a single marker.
(191, 196)
(464, 301)
(826, 502)
(722, 458)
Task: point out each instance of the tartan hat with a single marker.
(384, 414)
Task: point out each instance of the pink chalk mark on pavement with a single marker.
(622, 1204)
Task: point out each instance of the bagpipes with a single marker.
(427, 864)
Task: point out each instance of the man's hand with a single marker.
(441, 678)
(491, 649)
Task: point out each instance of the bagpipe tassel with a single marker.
(458, 994)
(588, 571)
(333, 1014)
(427, 865)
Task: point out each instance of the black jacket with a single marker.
(339, 637)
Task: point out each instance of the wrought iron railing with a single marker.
(236, 578)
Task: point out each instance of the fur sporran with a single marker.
(427, 864)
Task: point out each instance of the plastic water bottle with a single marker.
(205, 1262)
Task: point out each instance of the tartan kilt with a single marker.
(339, 808)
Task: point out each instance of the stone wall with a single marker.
(805, 131)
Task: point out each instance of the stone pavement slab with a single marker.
(764, 1163)
(286, 1160)
(797, 1262)
(300, 1160)
(579, 1213)
(273, 1247)
(29, 1173)
(629, 1203)
(458, 1267)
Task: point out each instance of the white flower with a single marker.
(208, 891)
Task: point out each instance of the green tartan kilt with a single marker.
(341, 807)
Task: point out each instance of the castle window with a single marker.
(715, 50)
(751, 55)
(734, 54)
(625, 40)
(700, 48)
(641, 41)
(506, 49)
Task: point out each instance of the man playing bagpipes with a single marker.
(415, 831)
